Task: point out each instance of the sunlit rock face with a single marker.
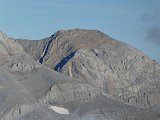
(77, 75)
(118, 69)
(8, 48)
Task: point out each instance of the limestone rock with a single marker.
(119, 70)
(8, 48)
(107, 79)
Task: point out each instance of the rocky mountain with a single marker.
(76, 75)
(118, 69)
(8, 48)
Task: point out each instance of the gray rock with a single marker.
(107, 79)
(119, 70)
(8, 48)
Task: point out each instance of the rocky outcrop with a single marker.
(34, 48)
(124, 77)
(108, 79)
(121, 71)
(8, 48)
(29, 96)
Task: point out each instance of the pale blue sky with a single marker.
(136, 22)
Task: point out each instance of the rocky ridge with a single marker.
(121, 71)
(107, 79)
(8, 48)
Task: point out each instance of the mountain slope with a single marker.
(108, 79)
(120, 71)
(28, 95)
(8, 48)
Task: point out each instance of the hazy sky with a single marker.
(136, 22)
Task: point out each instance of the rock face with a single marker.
(120, 71)
(103, 79)
(8, 48)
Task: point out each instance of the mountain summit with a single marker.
(120, 70)
(77, 74)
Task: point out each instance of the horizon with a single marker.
(133, 22)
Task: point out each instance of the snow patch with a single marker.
(2, 87)
(59, 110)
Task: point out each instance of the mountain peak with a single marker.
(8, 47)
(102, 76)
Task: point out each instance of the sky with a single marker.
(135, 22)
